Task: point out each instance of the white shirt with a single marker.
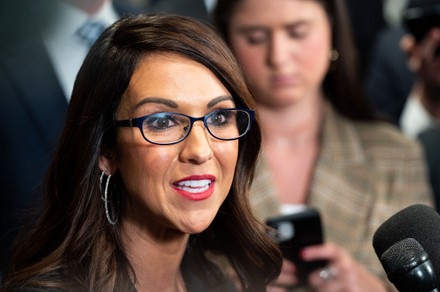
(210, 4)
(66, 50)
(415, 119)
(393, 11)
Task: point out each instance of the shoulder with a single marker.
(376, 139)
(386, 141)
(366, 141)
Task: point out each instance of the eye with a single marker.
(160, 122)
(220, 118)
(256, 37)
(297, 31)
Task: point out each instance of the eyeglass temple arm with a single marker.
(124, 123)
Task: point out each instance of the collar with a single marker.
(341, 143)
(70, 18)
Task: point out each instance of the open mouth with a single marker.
(194, 186)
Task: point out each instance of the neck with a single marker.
(296, 125)
(155, 259)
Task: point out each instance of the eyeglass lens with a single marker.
(166, 127)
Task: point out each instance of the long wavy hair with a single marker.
(342, 84)
(72, 245)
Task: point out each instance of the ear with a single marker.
(108, 160)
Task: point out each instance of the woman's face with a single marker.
(283, 46)
(181, 186)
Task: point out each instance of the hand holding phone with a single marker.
(294, 232)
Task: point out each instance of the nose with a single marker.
(197, 146)
(278, 50)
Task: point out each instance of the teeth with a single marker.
(194, 186)
(194, 191)
(195, 183)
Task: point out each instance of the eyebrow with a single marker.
(160, 100)
(174, 105)
(251, 29)
(246, 29)
(218, 100)
(296, 24)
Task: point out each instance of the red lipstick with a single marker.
(195, 187)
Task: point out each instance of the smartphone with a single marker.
(295, 231)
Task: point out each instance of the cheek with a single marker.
(143, 168)
(227, 154)
(314, 57)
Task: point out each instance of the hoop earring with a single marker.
(105, 198)
(333, 55)
(102, 176)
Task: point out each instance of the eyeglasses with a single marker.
(167, 128)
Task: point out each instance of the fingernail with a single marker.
(303, 254)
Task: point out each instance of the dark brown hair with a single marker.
(342, 85)
(72, 244)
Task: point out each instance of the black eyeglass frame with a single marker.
(137, 123)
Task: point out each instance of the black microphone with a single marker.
(419, 222)
(408, 267)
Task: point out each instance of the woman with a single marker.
(151, 174)
(322, 145)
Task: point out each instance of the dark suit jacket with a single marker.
(388, 80)
(430, 140)
(367, 20)
(32, 113)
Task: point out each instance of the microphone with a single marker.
(409, 237)
(408, 267)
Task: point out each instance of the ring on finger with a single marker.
(327, 274)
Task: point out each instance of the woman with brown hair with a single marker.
(322, 145)
(152, 171)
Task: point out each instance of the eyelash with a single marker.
(297, 34)
(261, 39)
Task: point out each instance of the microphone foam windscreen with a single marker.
(416, 221)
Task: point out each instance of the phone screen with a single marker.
(294, 232)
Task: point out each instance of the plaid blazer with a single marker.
(365, 172)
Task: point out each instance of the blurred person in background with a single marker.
(323, 146)
(403, 79)
(421, 45)
(421, 114)
(43, 46)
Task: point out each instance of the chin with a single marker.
(195, 229)
(197, 224)
(281, 98)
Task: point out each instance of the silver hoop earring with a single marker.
(102, 176)
(105, 198)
